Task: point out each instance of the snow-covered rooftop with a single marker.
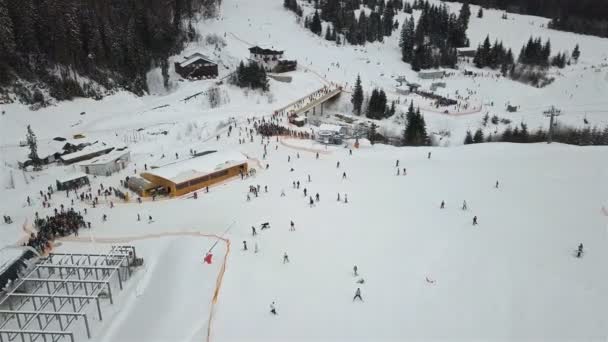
(9, 255)
(182, 171)
(330, 127)
(86, 151)
(71, 176)
(196, 57)
(106, 158)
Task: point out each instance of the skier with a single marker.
(253, 232)
(338, 197)
(496, 186)
(464, 205)
(345, 198)
(404, 171)
(244, 245)
(282, 193)
(343, 175)
(292, 227)
(285, 258)
(138, 218)
(358, 294)
(475, 220)
(579, 252)
(104, 217)
(442, 205)
(308, 178)
(397, 163)
(248, 198)
(255, 248)
(317, 155)
(317, 198)
(312, 202)
(273, 310)
(350, 151)
(304, 192)
(429, 156)
(337, 165)
(149, 218)
(398, 171)
(355, 271)
(265, 188)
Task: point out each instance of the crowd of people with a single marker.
(272, 129)
(61, 224)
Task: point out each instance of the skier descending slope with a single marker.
(579, 252)
(358, 294)
(273, 309)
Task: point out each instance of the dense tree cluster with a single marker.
(293, 6)
(433, 41)
(493, 56)
(377, 107)
(415, 129)
(343, 24)
(250, 75)
(357, 98)
(581, 16)
(574, 136)
(111, 42)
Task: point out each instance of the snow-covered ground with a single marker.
(429, 274)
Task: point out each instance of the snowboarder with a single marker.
(244, 245)
(579, 252)
(355, 271)
(285, 258)
(358, 294)
(464, 205)
(474, 220)
(442, 205)
(253, 232)
(273, 310)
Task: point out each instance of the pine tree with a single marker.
(478, 137)
(315, 24)
(357, 97)
(468, 139)
(576, 53)
(328, 33)
(33, 145)
(371, 134)
(407, 40)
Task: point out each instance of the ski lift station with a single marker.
(330, 134)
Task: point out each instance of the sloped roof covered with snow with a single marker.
(71, 176)
(192, 168)
(106, 158)
(331, 128)
(196, 57)
(264, 51)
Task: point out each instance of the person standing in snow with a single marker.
(285, 258)
(397, 163)
(579, 252)
(338, 165)
(345, 198)
(464, 205)
(308, 178)
(404, 171)
(358, 294)
(442, 205)
(292, 228)
(429, 156)
(496, 186)
(253, 232)
(244, 245)
(304, 192)
(273, 309)
(343, 175)
(355, 271)
(138, 218)
(338, 197)
(398, 170)
(317, 198)
(474, 220)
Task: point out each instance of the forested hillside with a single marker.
(49, 44)
(581, 16)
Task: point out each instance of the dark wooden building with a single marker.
(197, 66)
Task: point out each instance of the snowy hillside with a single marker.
(424, 273)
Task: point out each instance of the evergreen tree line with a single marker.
(432, 42)
(345, 25)
(573, 136)
(377, 107)
(534, 53)
(580, 16)
(250, 75)
(111, 42)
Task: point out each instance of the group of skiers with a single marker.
(63, 223)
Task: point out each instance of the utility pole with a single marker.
(551, 113)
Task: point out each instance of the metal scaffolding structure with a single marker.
(57, 290)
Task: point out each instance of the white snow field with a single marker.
(429, 274)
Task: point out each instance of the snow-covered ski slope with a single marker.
(429, 274)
